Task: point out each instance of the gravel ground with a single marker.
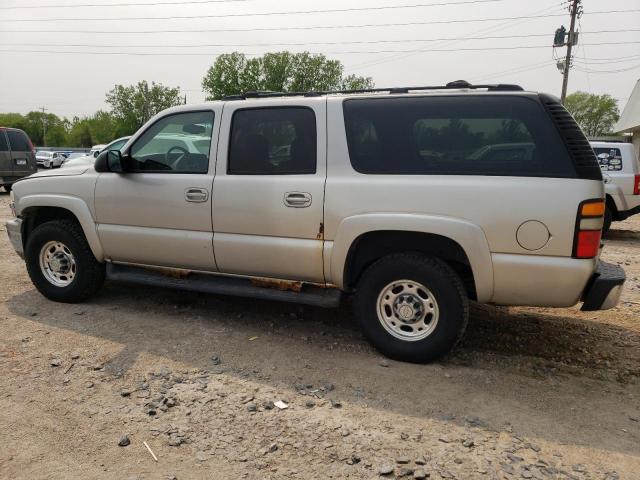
(530, 393)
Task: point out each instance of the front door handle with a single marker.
(196, 195)
(297, 199)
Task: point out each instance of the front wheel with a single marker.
(61, 264)
(411, 307)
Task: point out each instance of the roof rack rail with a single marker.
(455, 85)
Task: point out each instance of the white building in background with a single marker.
(629, 122)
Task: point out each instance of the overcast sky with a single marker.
(75, 83)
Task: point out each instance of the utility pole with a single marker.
(571, 41)
(44, 127)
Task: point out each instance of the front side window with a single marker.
(610, 159)
(273, 141)
(448, 135)
(18, 141)
(117, 145)
(177, 143)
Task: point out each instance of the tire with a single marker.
(83, 276)
(442, 284)
(608, 218)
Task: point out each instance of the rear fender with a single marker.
(468, 235)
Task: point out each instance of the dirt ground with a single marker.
(530, 393)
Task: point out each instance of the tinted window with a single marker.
(3, 142)
(610, 159)
(478, 135)
(18, 141)
(178, 143)
(273, 141)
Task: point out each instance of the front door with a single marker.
(268, 193)
(159, 212)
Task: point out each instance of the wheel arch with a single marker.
(38, 209)
(461, 244)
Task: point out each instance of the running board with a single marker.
(224, 285)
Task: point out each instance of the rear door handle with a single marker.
(196, 195)
(297, 199)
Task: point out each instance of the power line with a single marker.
(128, 4)
(260, 14)
(586, 70)
(75, 52)
(299, 44)
(483, 30)
(267, 29)
(313, 27)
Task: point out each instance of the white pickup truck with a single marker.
(621, 172)
(412, 201)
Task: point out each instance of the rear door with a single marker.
(22, 156)
(6, 168)
(268, 192)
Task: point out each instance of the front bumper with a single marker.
(14, 230)
(604, 289)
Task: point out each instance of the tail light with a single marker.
(589, 222)
(636, 185)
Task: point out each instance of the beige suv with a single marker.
(411, 201)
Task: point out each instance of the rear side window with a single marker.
(18, 141)
(610, 159)
(3, 142)
(273, 141)
(449, 135)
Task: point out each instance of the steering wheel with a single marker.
(183, 153)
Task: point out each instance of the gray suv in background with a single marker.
(17, 156)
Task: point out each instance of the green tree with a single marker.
(233, 73)
(596, 114)
(133, 105)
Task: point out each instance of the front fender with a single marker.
(468, 235)
(75, 205)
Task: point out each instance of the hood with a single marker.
(61, 172)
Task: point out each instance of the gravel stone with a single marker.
(124, 441)
(386, 470)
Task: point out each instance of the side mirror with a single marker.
(112, 161)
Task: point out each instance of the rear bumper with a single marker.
(14, 230)
(604, 289)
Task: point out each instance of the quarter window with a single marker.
(3, 142)
(476, 135)
(273, 141)
(177, 143)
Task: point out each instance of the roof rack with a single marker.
(458, 84)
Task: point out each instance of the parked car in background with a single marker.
(95, 150)
(17, 156)
(389, 197)
(620, 167)
(49, 159)
(89, 159)
(72, 155)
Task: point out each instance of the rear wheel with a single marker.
(411, 307)
(61, 264)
